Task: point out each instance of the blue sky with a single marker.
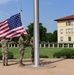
(49, 10)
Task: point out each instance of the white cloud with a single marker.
(5, 1)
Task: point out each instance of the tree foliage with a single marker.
(49, 37)
(42, 31)
(54, 36)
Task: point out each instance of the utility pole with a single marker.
(36, 33)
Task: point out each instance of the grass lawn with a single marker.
(27, 54)
(43, 51)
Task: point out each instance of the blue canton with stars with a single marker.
(14, 21)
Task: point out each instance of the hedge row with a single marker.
(65, 53)
(10, 55)
(43, 56)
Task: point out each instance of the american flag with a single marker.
(12, 27)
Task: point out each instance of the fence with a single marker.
(13, 45)
(57, 45)
(50, 45)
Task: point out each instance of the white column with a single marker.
(44, 45)
(58, 45)
(11, 45)
(73, 45)
(53, 45)
(68, 45)
(48, 45)
(62, 45)
(36, 32)
(40, 46)
(14, 45)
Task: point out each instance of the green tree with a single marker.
(49, 37)
(55, 36)
(30, 29)
(15, 39)
(42, 31)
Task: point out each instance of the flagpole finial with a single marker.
(21, 10)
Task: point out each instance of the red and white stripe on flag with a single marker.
(12, 27)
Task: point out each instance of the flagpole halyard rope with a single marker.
(19, 6)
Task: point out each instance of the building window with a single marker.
(61, 31)
(69, 38)
(69, 30)
(69, 23)
(61, 38)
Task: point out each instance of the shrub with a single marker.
(10, 55)
(0, 55)
(65, 53)
(43, 56)
(57, 54)
(0, 45)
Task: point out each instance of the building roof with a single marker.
(65, 18)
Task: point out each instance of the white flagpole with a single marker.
(36, 33)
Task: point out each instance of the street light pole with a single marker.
(36, 33)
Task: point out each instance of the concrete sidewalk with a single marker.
(47, 67)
